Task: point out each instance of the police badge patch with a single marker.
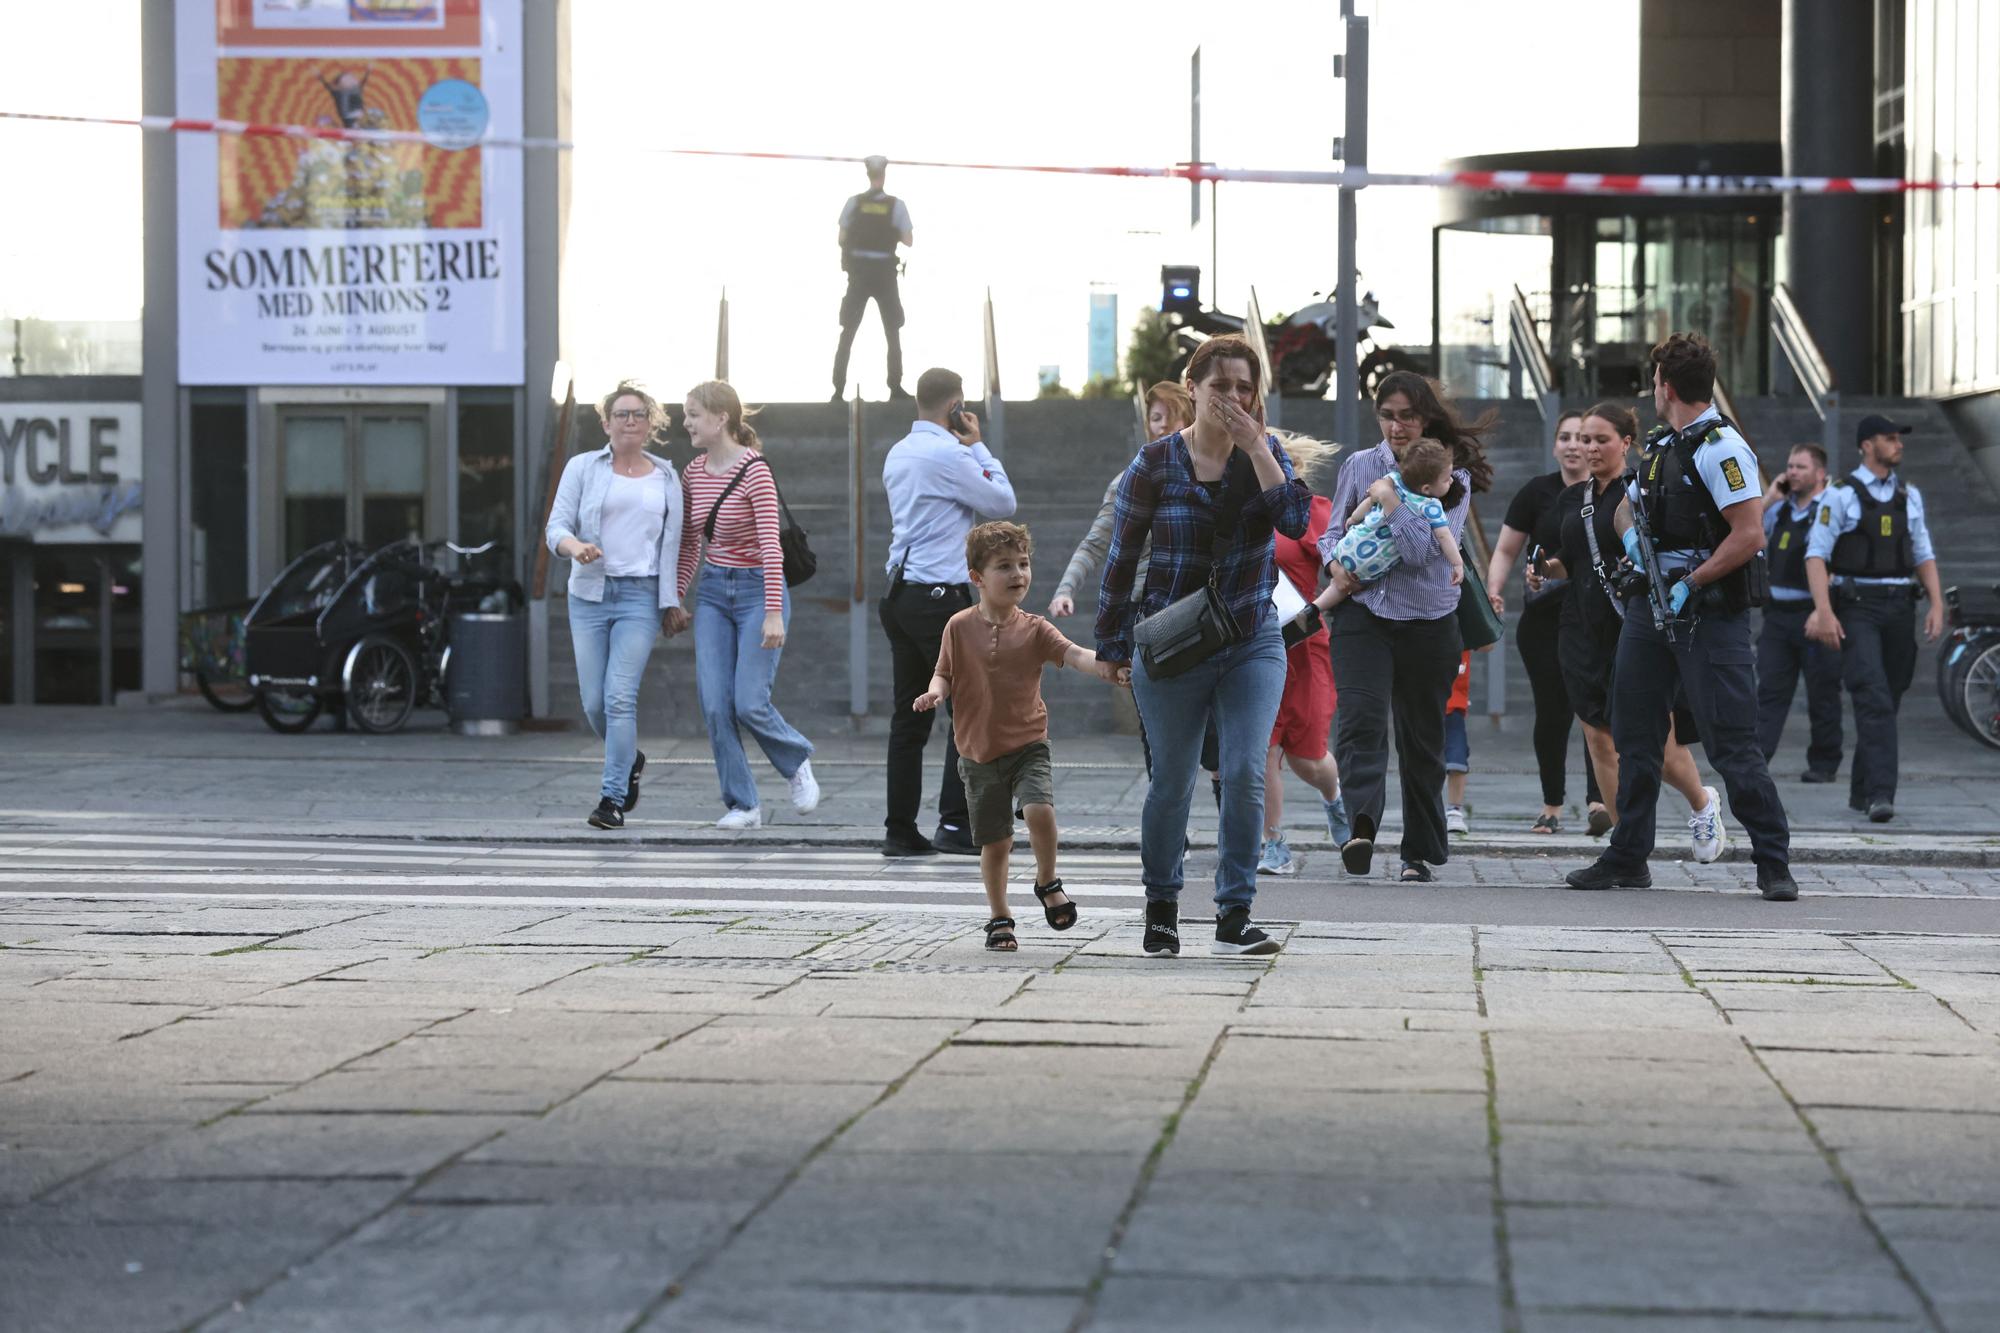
(1732, 472)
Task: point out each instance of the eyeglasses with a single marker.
(1407, 417)
(630, 414)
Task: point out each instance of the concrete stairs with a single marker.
(1061, 454)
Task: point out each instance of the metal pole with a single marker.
(857, 596)
(722, 336)
(1354, 153)
(994, 429)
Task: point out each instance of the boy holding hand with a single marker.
(990, 666)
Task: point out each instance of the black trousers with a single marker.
(1878, 661)
(914, 616)
(1537, 635)
(1395, 677)
(871, 280)
(1715, 669)
(1783, 654)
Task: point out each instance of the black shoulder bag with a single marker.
(800, 562)
(1189, 630)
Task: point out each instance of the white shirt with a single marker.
(635, 511)
(938, 490)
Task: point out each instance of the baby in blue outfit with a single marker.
(1368, 548)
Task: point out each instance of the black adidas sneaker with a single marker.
(1236, 937)
(1163, 936)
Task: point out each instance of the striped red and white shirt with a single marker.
(746, 527)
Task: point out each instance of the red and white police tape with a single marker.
(1521, 182)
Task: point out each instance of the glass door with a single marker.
(363, 473)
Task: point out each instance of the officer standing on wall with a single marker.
(1699, 486)
(1791, 507)
(871, 226)
(1869, 552)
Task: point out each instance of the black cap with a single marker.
(1873, 425)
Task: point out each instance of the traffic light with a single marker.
(1180, 289)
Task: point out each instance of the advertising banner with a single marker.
(348, 263)
(69, 472)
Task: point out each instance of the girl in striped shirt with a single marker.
(741, 609)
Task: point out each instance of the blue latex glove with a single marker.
(1677, 596)
(1632, 546)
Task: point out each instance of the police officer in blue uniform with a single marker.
(871, 226)
(1791, 507)
(1697, 488)
(1869, 554)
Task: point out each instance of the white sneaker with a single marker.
(1454, 819)
(737, 819)
(805, 789)
(1710, 834)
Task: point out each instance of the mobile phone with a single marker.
(955, 419)
(1535, 556)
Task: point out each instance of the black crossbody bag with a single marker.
(800, 562)
(1189, 630)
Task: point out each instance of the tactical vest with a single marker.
(1684, 515)
(1787, 547)
(1879, 545)
(872, 229)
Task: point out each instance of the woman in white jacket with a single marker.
(617, 518)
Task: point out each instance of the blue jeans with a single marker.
(613, 638)
(1457, 746)
(1241, 685)
(735, 671)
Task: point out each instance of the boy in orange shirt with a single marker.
(990, 667)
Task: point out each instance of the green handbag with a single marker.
(1478, 626)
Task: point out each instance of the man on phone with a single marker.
(1791, 506)
(941, 481)
(871, 226)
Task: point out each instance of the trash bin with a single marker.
(485, 674)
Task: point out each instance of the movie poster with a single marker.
(324, 261)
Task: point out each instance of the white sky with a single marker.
(653, 239)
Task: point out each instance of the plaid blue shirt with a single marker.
(1159, 496)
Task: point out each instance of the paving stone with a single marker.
(1666, 1321)
(1822, 1262)
(299, 1146)
(958, 1223)
(1413, 1062)
(1156, 1302)
(778, 1307)
(590, 1267)
(1890, 1081)
(1916, 1157)
(980, 1115)
(770, 1049)
(1950, 1252)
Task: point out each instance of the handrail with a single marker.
(1527, 351)
(722, 336)
(1253, 331)
(1795, 340)
(994, 429)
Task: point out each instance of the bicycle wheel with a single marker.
(286, 710)
(228, 695)
(1949, 693)
(1979, 692)
(382, 687)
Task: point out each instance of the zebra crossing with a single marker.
(72, 863)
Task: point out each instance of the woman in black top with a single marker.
(1590, 624)
(1532, 523)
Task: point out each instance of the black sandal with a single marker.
(1063, 915)
(1358, 852)
(1415, 872)
(1000, 935)
(1547, 824)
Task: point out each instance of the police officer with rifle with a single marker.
(1696, 535)
(1868, 553)
(871, 226)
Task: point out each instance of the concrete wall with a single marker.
(1709, 71)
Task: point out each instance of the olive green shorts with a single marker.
(1001, 788)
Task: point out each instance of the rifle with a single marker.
(1642, 523)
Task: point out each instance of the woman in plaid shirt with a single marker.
(1174, 492)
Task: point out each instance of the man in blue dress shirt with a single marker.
(1869, 554)
(941, 481)
(1791, 507)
